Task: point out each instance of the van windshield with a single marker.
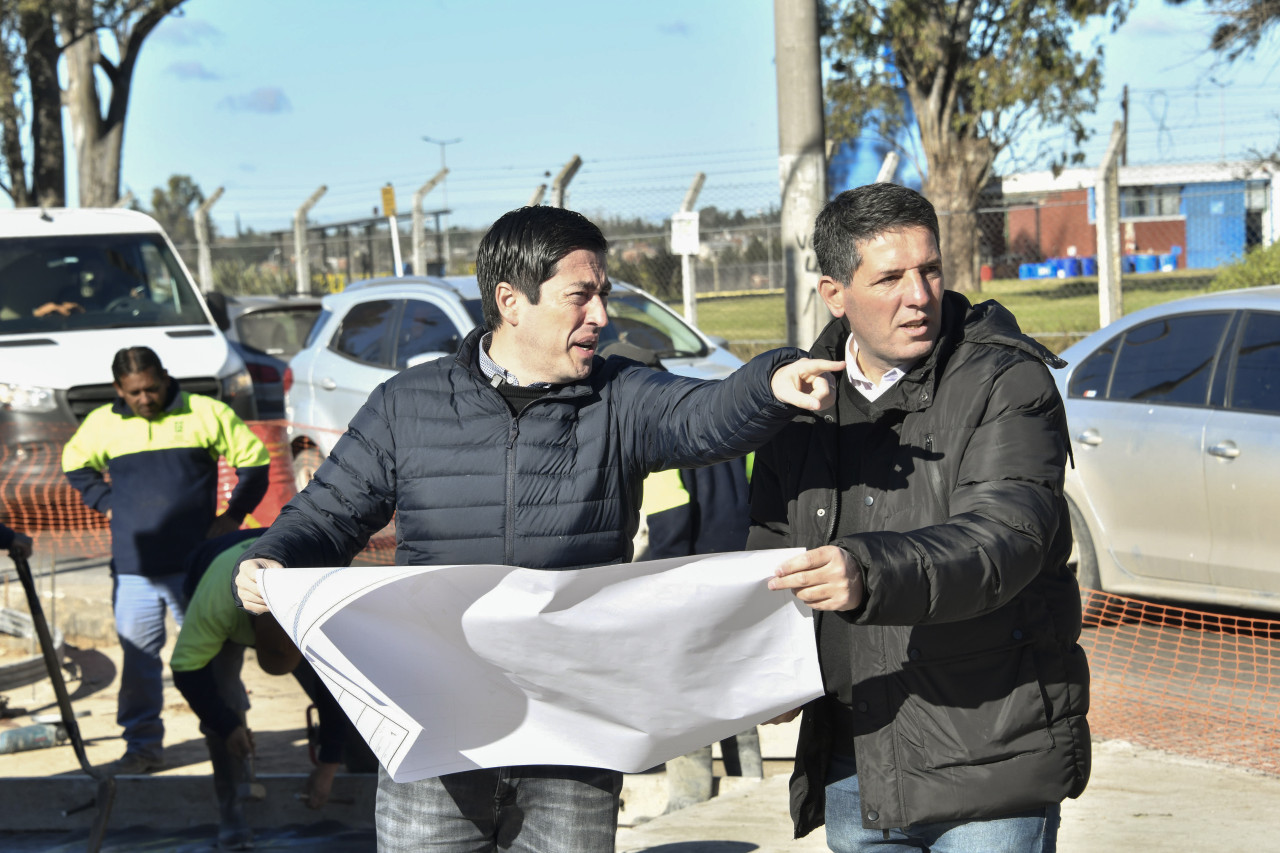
(98, 281)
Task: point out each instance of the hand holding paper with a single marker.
(452, 668)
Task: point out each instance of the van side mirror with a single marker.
(217, 303)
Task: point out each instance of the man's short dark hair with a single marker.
(523, 249)
(857, 216)
(131, 360)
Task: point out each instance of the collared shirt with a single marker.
(859, 380)
(491, 368)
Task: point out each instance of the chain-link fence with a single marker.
(1180, 226)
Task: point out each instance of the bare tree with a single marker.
(34, 36)
(97, 122)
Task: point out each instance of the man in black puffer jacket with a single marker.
(931, 495)
(527, 449)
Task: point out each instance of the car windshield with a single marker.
(277, 331)
(55, 284)
(637, 320)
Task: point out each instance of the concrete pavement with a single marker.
(1138, 799)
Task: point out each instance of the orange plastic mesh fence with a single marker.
(36, 498)
(1196, 683)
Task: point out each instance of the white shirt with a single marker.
(859, 380)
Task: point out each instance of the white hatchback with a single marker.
(376, 328)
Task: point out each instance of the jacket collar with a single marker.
(468, 358)
(172, 402)
(988, 323)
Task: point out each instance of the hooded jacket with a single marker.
(969, 690)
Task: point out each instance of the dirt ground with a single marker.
(277, 717)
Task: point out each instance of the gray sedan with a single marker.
(1174, 413)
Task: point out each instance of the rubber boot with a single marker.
(228, 773)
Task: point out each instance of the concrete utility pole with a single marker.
(301, 266)
(444, 191)
(888, 168)
(561, 183)
(204, 260)
(1106, 197)
(688, 272)
(420, 223)
(802, 162)
(538, 195)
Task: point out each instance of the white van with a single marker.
(76, 285)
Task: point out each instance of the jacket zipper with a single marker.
(509, 536)
(934, 475)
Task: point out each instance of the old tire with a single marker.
(1084, 561)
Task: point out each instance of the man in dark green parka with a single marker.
(931, 495)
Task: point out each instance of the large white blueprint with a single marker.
(452, 668)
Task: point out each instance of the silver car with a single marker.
(376, 328)
(1174, 413)
(267, 331)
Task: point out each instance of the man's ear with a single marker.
(832, 293)
(507, 298)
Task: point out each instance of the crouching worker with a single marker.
(206, 664)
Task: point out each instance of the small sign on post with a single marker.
(684, 233)
(684, 242)
(389, 211)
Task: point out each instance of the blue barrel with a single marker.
(1169, 262)
(1071, 267)
(1146, 263)
(1026, 271)
(1089, 265)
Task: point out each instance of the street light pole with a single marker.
(444, 190)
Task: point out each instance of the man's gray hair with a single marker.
(857, 216)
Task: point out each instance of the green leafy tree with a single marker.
(174, 207)
(976, 76)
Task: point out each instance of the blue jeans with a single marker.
(1034, 831)
(533, 809)
(140, 603)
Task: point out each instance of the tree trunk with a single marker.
(958, 166)
(86, 119)
(15, 163)
(956, 202)
(48, 159)
(99, 134)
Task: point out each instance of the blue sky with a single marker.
(272, 98)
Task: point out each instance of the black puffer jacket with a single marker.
(969, 690)
(557, 487)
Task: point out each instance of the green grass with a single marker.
(1057, 311)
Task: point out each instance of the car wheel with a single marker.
(305, 465)
(1084, 561)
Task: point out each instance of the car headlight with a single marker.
(27, 398)
(237, 383)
